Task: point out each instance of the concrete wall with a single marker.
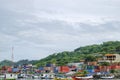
(117, 58)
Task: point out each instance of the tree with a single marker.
(90, 58)
(86, 53)
(105, 64)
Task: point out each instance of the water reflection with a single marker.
(34, 79)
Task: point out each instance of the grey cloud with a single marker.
(40, 28)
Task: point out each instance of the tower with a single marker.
(12, 57)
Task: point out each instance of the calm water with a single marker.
(49, 79)
(104, 79)
(53, 79)
(34, 79)
(31, 79)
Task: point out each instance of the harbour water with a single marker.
(104, 79)
(52, 79)
(34, 79)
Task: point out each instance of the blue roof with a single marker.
(15, 69)
(41, 68)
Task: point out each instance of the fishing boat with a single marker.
(62, 77)
(85, 77)
(82, 77)
(35, 76)
(22, 76)
(47, 76)
(107, 76)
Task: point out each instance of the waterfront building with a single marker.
(111, 58)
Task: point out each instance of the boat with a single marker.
(85, 77)
(21, 76)
(62, 77)
(11, 76)
(35, 76)
(47, 76)
(82, 76)
(107, 76)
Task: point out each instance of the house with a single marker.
(48, 69)
(78, 65)
(64, 69)
(111, 58)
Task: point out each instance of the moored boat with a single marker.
(35, 76)
(82, 77)
(85, 77)
(62, 77)
(47, 76)
(107, 76)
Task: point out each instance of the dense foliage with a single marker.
(6, 63)
(21, 62)
(88, 53)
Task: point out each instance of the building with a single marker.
(64, 69)
(75, 64)
(112, 58)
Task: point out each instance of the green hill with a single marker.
(81, 53)
(21, 62)
(88, 53)
(6, 63)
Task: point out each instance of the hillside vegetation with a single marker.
(81, 53)
(88, 53)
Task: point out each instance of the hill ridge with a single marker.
(62, 58)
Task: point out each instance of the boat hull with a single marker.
(107, 77)
(81, 78)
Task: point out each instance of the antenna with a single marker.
(12, 57)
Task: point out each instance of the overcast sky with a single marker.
(38, 28)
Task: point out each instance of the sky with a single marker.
(38, 28)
